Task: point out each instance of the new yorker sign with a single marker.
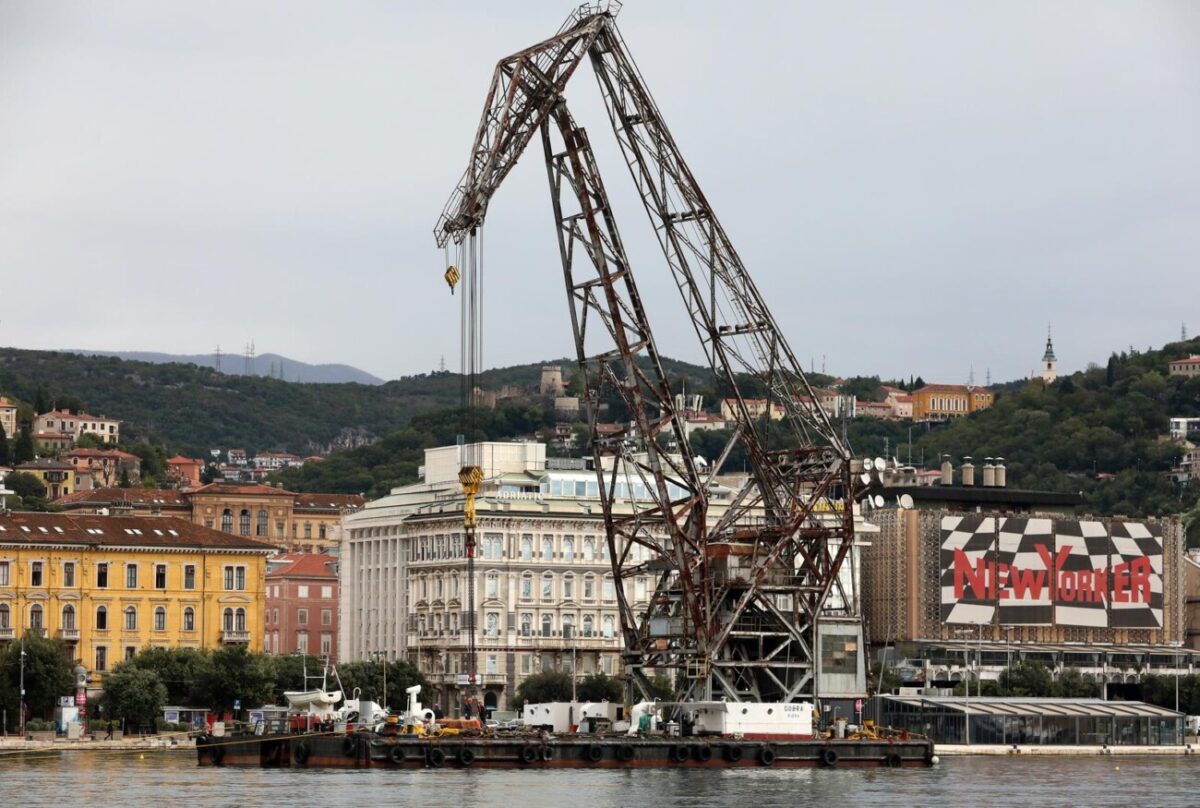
(1067, 572)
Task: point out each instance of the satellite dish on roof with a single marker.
(906, 502)
(865, 478)
(878, 500)
(880, 464)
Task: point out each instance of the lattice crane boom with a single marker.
(739, 583)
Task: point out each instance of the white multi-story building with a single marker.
(545, 595)
(76, 425)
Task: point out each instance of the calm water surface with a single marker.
(172, 778)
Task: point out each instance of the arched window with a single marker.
(68, 617)
(547, 625)
(588, 625)
(240, 620)
(189, 619)
(526, 624)
(438, 587)
(227, 620)
(5, 616)
(160, 618)
(101, 618)
(35, 617)
(568, 549)
(527, 548)
(609, 626)
(227, 520)
(492, 627)
(244, 522)
(526, 586)
(568, 587)
(131, 618)
(547, 548)
(589, 549)
(260, 528)
(568, 625)
(547, 586)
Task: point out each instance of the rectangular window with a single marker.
(69, 574)
(327, 592)
(160, 576)
(229, 577)
(326, 617)
(547, 588)
(4, 573)
(589, 589)
(131, 576)
(302, 617)
(240, 573)
(326, 644)
(101, 658)
(35, 573)
(302, 642)
(130, 652)
(301, 591)
(608, 591)
(493, 664)
(189, 576)
(493, 586)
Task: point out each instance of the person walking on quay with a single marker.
(109, 736)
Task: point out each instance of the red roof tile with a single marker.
(118, 531)
(308, 565)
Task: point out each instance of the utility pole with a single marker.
(22, 682)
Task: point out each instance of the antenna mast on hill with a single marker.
(249, 356)
(217, 358)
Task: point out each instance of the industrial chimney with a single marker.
(1001, 473)
(968, 472)
(989, 473)
(947, 471)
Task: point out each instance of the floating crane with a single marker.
(740, 579)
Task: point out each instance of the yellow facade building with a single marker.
(112, 585)
(942, 402)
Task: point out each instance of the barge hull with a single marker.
(361, 751)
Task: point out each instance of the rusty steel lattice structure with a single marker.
(740, 583)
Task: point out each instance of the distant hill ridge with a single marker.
(267, 364)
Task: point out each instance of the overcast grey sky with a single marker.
(917, 187)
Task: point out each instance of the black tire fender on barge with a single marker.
(593, 753)
(766, 756)
(466, 756)
(625, 753)
(396, 754)
(733, 753)
(893, 760)
(679, 753)
(703, 753)
(350, 746)
(547, 753)
(528, 754)
(300, 753)
(829, 758)
(435, 758)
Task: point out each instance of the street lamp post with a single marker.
(22, 682)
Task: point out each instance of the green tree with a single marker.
(237, 674)
(662, 689)
(368, 678)
(1073, 684)
(48, 675)
(41, 403)
(1031, 679)
(134, 694)
(599, 687)
(181, 670)
(4, 453)
(29, 488)
(545, 686)
(23, 448)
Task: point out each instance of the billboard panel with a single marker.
(1136, 572)
(1035, 571)
(1022, 588)
(968, 552)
